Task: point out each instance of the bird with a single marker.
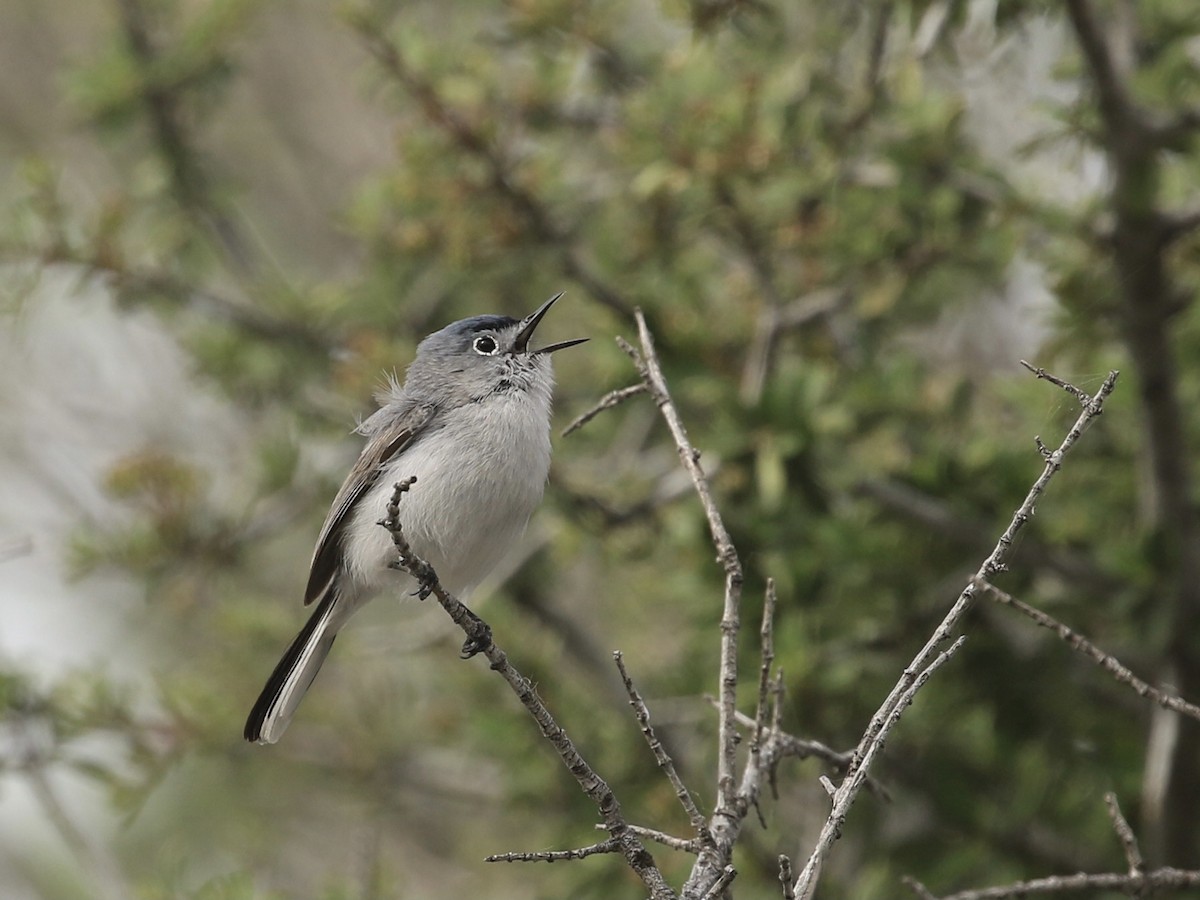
(471, 423)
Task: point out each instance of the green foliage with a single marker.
(709, 163)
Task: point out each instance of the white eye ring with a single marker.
(485, 345)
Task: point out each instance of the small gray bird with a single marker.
(472, 424)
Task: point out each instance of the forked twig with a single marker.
(766, 637)
(1129, 842)
(642, 714)
(731, 805)
(922, 664)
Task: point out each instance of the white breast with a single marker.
(480, 474)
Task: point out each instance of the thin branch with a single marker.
(785, 877)
(1080, 883)
(718, 887)
(766, 638)
(642, 714)
(1129, 843)
(608, 401)
(920, 665)
(1082, 645)
(784, 745)
(683, 845)
(731, 807)
(651, 372)
(806, 883)
(479, 640)
(1078, 393)
(608, 846)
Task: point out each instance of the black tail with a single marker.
(292, 676)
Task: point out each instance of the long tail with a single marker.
(295, 672)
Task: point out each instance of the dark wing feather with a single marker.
(383, 445)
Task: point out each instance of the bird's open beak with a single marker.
(530, 324)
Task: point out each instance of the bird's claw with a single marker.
(476, 643)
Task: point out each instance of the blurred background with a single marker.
(223, 221)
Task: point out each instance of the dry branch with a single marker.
(479, 640)
(642, 713)
(1136, 883)
(785, 877)
(683, 845)
(1082, 645)
(766, 638)
(731, 805)
(1080, 883)
(608, 401)
(1133, 853)
(608, 846)
(925, 661)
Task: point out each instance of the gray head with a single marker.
(470, 359)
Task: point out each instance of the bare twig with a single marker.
(1078, 393)
(1158, 880)
(806, 883)
(717, 888)
(608, 846)
(731, 805)
(921, 666)
(608, 401)
(785, 877)
(766, 637)
(1082, 645)
(784, 745)
(777, 702)
(479, 640)
(1138, 882)
(1129, 844)
(683, 845)
(652, 374)
(642, 713)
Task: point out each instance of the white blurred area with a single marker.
(1010, 86)
(82, 385)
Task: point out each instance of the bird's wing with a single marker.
(392, 437)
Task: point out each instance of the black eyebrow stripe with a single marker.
(490, 323)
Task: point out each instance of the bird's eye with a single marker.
(485, 345)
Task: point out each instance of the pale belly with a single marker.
(479, 478)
